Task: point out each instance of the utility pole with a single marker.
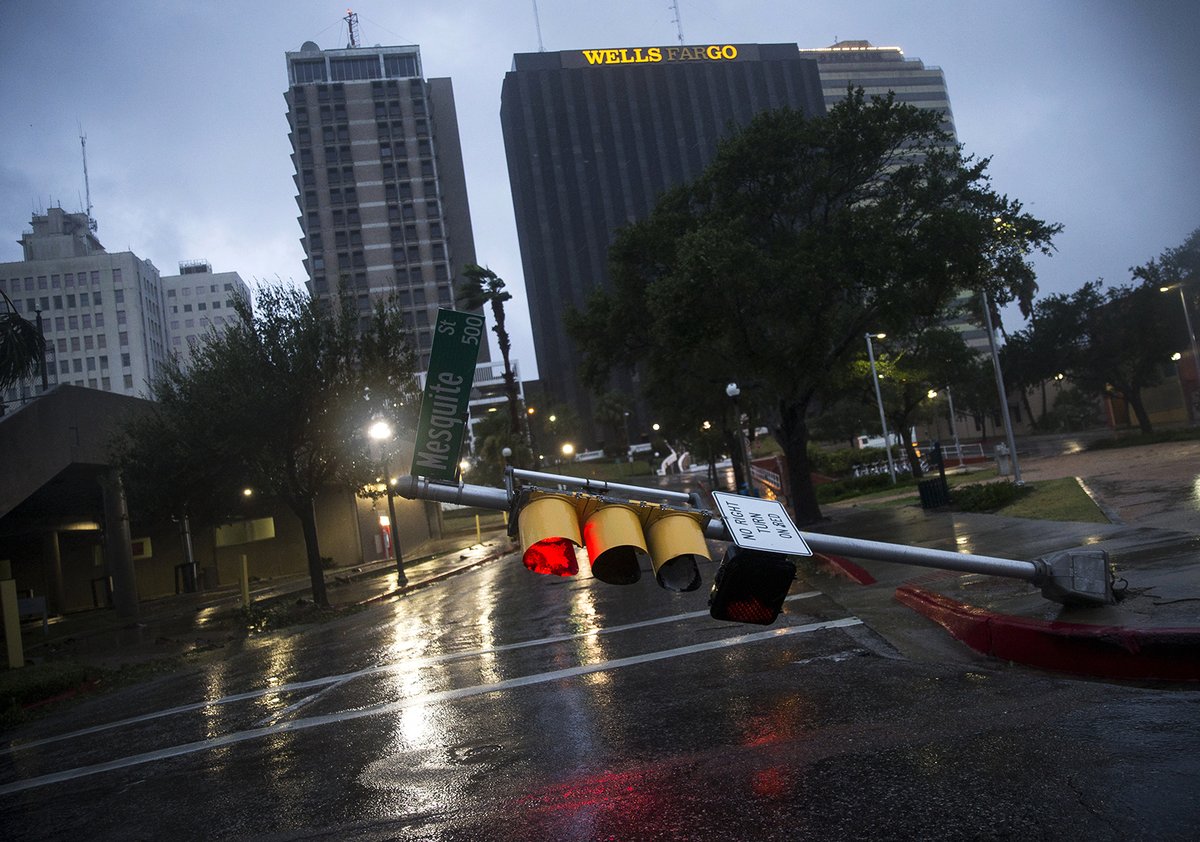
(1008, 431)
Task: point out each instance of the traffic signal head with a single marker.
(613, 536)
(620, 535)
(750, 586)
(677, 544)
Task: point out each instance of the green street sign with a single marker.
(443, 422)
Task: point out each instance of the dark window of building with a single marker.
(308, 70)
(349, 69)
(400, 65)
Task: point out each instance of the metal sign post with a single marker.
(1077, 576)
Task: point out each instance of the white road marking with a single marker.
(428, 698)
(350, 676)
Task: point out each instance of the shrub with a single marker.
(831, 492)
(988, 496)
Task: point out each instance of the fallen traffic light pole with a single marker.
(622, 525)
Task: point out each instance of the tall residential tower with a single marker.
(379, 175)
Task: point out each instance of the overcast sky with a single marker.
(1090, 111)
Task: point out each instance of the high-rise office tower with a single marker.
(593, 138)
(878, 70)
(102, 314)
(379, 174)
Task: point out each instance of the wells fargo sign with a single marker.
(655, 55)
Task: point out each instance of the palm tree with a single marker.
(483, 286)
(21, 347)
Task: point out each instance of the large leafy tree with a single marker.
(281, 401)
(1175, 265)
(802, 235)
(1039, 353)
(1113, 340)
(21, 346)
(481, 286)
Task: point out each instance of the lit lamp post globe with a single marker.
(568, 451)
(381, 431)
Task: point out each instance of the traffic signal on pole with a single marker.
(750, 586)
(619, 536)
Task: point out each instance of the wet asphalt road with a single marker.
(500, 705)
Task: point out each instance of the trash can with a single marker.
(934, 493)
(1003, 462)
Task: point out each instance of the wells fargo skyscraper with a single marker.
(593, 137)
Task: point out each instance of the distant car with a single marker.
(861, 442)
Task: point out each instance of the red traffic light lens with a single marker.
(553, 556)
(750, 586)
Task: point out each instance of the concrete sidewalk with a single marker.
(1151, 633)
(188, 624)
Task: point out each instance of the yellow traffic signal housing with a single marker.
(619, 536)
(677, 544)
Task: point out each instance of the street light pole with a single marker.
(954, 428)
(381, 431)
(401, 578)
(1008, 431)
(744, 455)
(879, 398)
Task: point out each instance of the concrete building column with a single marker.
(52, 565)
(118, 550)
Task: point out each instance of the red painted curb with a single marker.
(840, 566)
(1166, 654)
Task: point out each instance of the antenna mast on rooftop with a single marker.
(537, 21)
(351, 20)
(678, 20)
(87, 189)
